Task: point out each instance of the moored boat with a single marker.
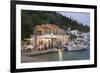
(75, 46)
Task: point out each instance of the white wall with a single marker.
(5, 36)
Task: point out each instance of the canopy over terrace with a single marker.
(51, 40)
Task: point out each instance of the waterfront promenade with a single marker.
(28, 56)
(36, 52)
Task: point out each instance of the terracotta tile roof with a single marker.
(47, 26)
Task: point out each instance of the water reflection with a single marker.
(60, 54)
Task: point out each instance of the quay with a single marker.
(35, 53)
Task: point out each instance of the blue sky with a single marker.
(83, 18)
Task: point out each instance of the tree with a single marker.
(26, 25)
(29, 19)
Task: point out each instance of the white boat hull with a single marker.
(71, 48)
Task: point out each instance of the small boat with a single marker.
(73, 46)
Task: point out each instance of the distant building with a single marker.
(86, 35)
(75, 32)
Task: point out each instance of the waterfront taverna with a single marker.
(49, 36)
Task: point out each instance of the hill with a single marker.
(30, 18)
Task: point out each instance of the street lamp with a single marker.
(51, 40)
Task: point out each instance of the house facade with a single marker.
(49, 35)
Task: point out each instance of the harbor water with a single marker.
(59, 56)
